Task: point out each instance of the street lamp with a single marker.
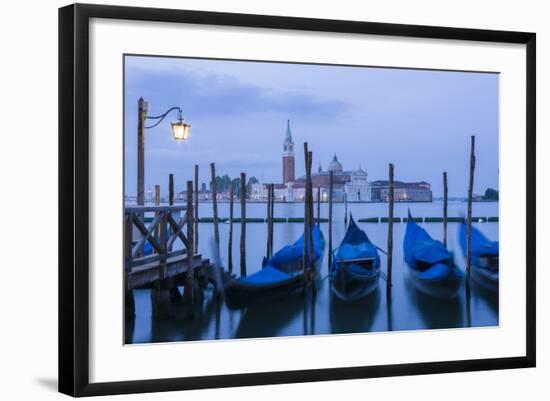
(180, 132)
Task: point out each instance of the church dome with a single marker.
(335, 166)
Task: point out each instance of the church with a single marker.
(351, 184)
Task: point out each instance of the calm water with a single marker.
(305, 315)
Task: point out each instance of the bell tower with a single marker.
(288, 156)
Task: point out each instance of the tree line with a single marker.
(223, 184)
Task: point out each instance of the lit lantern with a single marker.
(180, 130)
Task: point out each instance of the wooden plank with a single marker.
(154, 263)
(146, 209)
(155, 258)
(148, 274)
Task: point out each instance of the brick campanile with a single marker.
(288, 156)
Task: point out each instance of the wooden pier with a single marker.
(164, 269)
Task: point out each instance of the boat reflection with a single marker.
(269, 319)
(436, 313)
(487, 297)
(353, 316)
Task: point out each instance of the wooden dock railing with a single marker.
(161, 269)
(165, 219)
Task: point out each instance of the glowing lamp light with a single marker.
(180, 130)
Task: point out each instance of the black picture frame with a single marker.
(74, 198)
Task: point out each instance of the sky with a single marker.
(420, 120)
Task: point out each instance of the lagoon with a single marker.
(299, 315)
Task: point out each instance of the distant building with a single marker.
(403, 191)
(358, 188)
(351, 184)
(288, 156)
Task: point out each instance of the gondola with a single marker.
(356, 265)
(280, 276)
(431, 266)
(289, 258)
(484, 257)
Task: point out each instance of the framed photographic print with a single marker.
(279, 199)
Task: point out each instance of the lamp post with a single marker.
(180, 132)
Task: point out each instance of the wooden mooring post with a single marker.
(272, 219)
(318, 205)
(230, 239)
(270, 211)
(157, 203)
(243, 224)
(175, 296)
(157, 195)
(311, 222)
(196, 209)
(129, 302)
(189, 288)
(142, 112)
(215, 212)
(306, 216)
(469, 216)
(171, 189)
(345, 208)
(330, 186)
(160, 294)
(390, 234)
(445, 205)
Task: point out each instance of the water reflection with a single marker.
(436, 313)
(269, 320)
(355, 316)
(485, 298)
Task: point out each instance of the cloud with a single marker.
(216, 95)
